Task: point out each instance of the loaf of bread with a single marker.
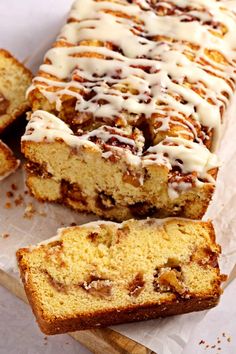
(105, 273)
(14, 81)
(128, 106)
(8, 162)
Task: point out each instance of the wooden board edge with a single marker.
(99, 340)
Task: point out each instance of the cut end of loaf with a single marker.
(105, 273)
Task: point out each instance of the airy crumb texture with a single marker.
(14, 81)
(8, 162)
(105, 273)
(102, 187)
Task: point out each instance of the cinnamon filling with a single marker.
(142, 209)
(73, 192)
(36, 169)
(136, 286)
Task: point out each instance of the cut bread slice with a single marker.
(14, 81)
(105, 273)
(8, 162)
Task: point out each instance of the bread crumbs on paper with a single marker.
(14, 187)
(214, 346)
(42, 213)
(5, 235)
(29, 211)
(18, 200)
(9, 194)
(8, 205)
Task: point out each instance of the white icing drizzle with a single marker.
(133, 31)
(188, 156)
(44, 126)
(185, 154)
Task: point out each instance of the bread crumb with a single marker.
(9, 194)
(18, 200)
(229, 339)
(29, 211)
(14, 187)
(8, 205)
(42, 213)
(5, 235)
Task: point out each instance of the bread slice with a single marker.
(105, 273)
(14, 81)
(8, 162)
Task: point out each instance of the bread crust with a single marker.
(24, 106)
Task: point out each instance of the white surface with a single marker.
(21, 335)
(27, 27)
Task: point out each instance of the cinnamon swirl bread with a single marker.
(87, 277)
(128, 106)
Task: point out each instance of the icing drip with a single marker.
(123, 61)
(184, 154)
(44, 126)
(190, 162)
(187, 157)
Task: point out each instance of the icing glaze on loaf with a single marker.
(143, 59)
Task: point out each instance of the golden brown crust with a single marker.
(23, 106)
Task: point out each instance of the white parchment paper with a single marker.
(27, 30)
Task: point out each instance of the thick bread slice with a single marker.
(8, 162)
(104, 273)
(14, 81)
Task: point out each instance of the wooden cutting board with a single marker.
(99, 341)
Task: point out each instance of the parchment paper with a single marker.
(179, 334)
